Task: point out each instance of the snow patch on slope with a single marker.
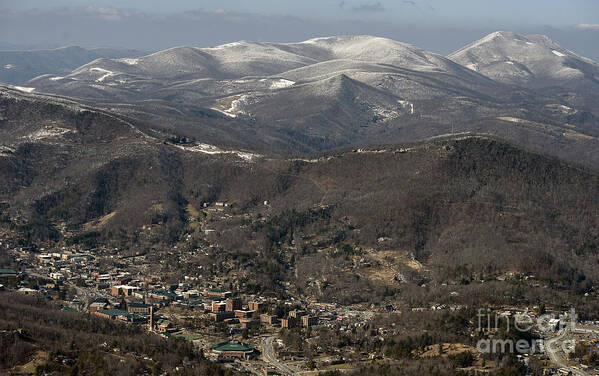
(129, 61)
(472, 66)
(48, 132)
(211, 149)
(407, 105)
(236, 106)
(6, 151)
(511, 119)
(106, 73)
(281, 84)
(24, 89)
(557, 53)
(225, 46)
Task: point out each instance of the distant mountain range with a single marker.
(333, 92)
(18, 67)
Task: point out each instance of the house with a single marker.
(27, 291)
(164, 326)
(57, 276)
(139, 294)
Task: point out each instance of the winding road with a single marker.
(552, 346)
(268, 353)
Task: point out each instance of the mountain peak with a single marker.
(533, 60)
(503, 34)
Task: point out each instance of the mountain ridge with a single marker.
(75, 176)
(19, 66)
(215, 94)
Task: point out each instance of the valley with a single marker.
(342, 205)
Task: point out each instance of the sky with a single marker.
(440, 26)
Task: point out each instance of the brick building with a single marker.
(242, 314)
(139, 308)
(234, 304)
(290, 322)
(309, 321)
(221, 316)
(265, 318)
(218, 307)
(220, 294)
(123, 290)
(249, 323)
(255, 306)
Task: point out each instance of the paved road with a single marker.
(552, 346)
(268, 353)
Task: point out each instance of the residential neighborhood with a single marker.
(245, 332)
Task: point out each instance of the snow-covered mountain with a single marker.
(533, 61)
(18, 67)
(206, 76)
(252, 59)
(335, 91)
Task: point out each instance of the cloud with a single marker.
(370, 7)
(418, 6)
(342, 4)
(594, 27)
(107, 14)
(130, 28)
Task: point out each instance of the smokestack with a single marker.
(151, 318)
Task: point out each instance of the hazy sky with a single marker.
(437, 25)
